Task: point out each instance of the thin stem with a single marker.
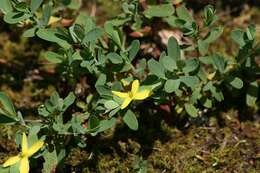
(34, 121)
(70, 133)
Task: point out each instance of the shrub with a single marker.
(188, 77)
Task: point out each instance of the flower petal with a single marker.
(11, 161)
(53, 20)
(142, 95)
(24, 165)
(135, 87)
(120, 94)
(35, 147)
(126, 102)
(24, 144)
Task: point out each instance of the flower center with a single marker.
(24, 154)
(131, 95)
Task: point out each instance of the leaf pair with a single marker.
(7, 110)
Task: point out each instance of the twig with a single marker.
(33, 121)
(93, 9)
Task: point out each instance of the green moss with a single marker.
(211, 148)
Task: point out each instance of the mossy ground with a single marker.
(232, 146)
(224, 142)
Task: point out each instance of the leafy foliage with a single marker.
(188, 76)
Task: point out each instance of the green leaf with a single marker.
(209, 15)
(244, 53)
(21, 6)
(50, 161)
(104, 91)
(206, 60)
(206, 102)
(235, 82)
(191, 65)
(86, 21)
(163, 10)
(190, 81)
(196, 95)
(134, 48)
(69, 100)
(252, 94)
(175, 22)
(15, 17)
(6, 6)
(113, 33)
(191, 29)
(93, 122)
(35, 4)
(216, 93)
(169, 63)
(203, 47)
(14, 168)
(214, 34)
(251, 32)
(30, 32)
(101, 80)
(111, 104)
(33, 137)
(77, 33)
(93, 35)
(4, 119)
(191, 110)
(115, 58)
(106, 124)
(53, 35)
(238, 36)
(74, 4)
(219, 62)
(54, 57)
(76, 56)
(7, 106)
(55, 102)
(156, 68)
(46, 13)
(171, 85)
(173, 49)
(114, 111)
(202, 75)
(184, 14)
(5, 170)
(127, 8)
(130, 120)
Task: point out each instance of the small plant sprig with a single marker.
(23, 157)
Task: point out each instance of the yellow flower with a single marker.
(23, 157)
(53, 20)
(134, 94)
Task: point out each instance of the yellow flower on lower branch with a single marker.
(134, 94)
(23, 157)
(53, 20)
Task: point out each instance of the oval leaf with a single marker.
(173, 49)
(35, 4)
(171, 85)
(163, 10)
(130, 120)
(156, 68)
(191, 110)
(7, 106)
